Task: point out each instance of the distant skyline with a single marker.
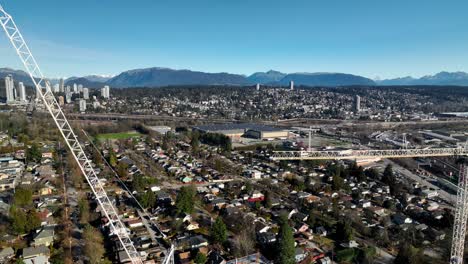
(385, 39)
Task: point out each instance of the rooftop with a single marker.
(240, 126)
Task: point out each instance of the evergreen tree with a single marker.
(286, 250)
(200, 258)
(33, 153)
(112, 157)
(22, 197)
(185, 199)
(219, 231)
(344, 231)
(408, 254)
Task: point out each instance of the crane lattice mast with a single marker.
(43, 89)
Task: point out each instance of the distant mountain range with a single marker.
(270, 76)
(157, 77)
(85, 82)
(441, 78)
(92, 78)
(154, 77)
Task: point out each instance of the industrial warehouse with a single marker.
(249, 130)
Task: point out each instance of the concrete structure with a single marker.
(82, 105)
(61, 100)
(10, 89)
(86, 93)
(161, 129)
(22, 92)
(291, 85)
(56, 88)
(357, 104)
(105, 91)
(235, 131)
(68, 97)
(80, 88)
(62, 85)
(258, 87)
(75, 88)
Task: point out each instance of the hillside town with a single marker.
(214, 192)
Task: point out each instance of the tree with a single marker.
(33, 153)
(267, 202)
(112, 157)
(195, 142)
(97, 157)
(243, 243)
(372, 173)
(83, 208)
(219, 231)
(344, 231)
(338, 183)
(22, 197)
(122, 170)
(185, 199)
(94, 248)
(408, 254)
(18, 219)
(200, 258)
(22, 221)
(285, 245)
(388, 174)
(148, 199)
(34, 221)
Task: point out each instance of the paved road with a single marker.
(442, 194)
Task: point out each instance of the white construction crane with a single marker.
(44, 92)
(461, 207)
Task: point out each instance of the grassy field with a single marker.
(111, 136)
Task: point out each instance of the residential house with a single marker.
(44, 237)
(6, 254)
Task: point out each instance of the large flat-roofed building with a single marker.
(244, 129)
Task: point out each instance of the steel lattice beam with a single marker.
(367, 154)
(116, 226)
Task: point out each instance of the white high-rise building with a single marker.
(86, 93)
(22, 92)
(62, 85)
(105, 91)
(82, 105)
(68, 97)
(10, 89)
(38, 94)
(258, 87)
(56, 88)
(291, 85)
(75, 88)
(67, 89)
(80, 88)
(357, 104)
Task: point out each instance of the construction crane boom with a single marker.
(368, 153)
(43, 89)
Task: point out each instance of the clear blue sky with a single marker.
(366, 37)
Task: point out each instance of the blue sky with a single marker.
(366, 37)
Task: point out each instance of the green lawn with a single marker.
(124, 135)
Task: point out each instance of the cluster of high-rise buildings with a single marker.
(79, 89)
(105, 91)
(14, 94)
